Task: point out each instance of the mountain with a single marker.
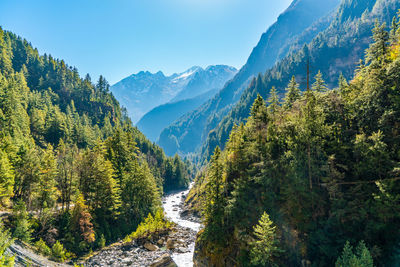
(143, 91)
(153, 122)
(334, 51)
(203, 81)
(301, 22)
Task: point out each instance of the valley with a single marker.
(291, 160)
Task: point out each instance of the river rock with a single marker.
(170, 244)
(149, 246)
(164, 261)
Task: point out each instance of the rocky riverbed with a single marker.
(173, 248)
(154, 253)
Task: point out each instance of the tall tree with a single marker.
(292, 93)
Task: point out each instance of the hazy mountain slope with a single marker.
(187, 134)
(153, 122)
(336, 50)
(143, 91)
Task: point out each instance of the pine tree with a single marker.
(292, 93)
(273, 101)
(214, 201)
(23, 228)
(362, 257)
(266, 245)
(7, 177)
(6, 260)
(46, 192)
(319, 84)
(376, 53)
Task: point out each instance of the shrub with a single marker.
(150, 226)
(58, 252)
(5, 242)
(42, 248)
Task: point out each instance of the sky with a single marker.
(117, 38)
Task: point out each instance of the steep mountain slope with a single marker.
(188, 133)
(313, 180)
(70, 154)
(143, 91)
(153, 122)
(336, 50)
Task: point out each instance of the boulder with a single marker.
(160, 242)
(149, 246)
(170, 244)
(164, 261)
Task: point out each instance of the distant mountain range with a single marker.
(141, 92)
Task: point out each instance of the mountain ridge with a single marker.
(143, 91)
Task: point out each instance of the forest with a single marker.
(75, 174)
(311, 178)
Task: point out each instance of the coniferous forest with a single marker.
(291, 169)
(73, 169)
(312, 177)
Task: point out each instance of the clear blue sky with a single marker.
(119, 37)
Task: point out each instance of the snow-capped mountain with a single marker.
(143, 91)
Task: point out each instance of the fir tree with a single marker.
(292, 93)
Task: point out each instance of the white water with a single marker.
(172, 210)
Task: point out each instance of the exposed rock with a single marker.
(149, 246)
(170, 244)
(164, 261)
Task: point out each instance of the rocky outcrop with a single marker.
(25, 256)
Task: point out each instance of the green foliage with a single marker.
(362, 257)
(319, 84)
(151, 226)
(266, 245)
(292, 93)
(42, 248)
(58, 253)
(214, 201)
(22, 222)
(5, 242)
(7, 177)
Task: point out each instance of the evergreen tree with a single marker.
(319, 84)
(46, 192)
(6, 260)
(6, 179)
(215, 202)
(266, 246)
(375, 54)
(292, 93)
(273, 101)
(22, 222)
(362, 257)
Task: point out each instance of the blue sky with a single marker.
(119, 37)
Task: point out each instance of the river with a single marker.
(172, 208)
